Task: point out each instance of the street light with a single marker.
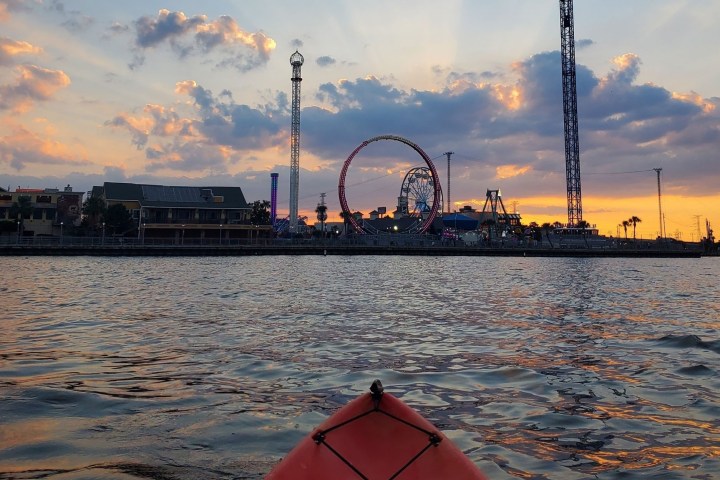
(103, 235)
(61, 232)
(220, 232)
(17, 240)
(143, 234)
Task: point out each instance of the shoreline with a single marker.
(348, 250)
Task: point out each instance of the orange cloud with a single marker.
(695, 99)
(226, 31)
(22, 147)
(12, 48)
(33, 84)
(509, 96)
(508, 171)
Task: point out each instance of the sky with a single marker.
(199, 93)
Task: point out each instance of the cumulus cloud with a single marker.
(155, 120)
(209, 139)
(22, 147)
(325, 61)
(10, 49)
(190, 35)
(33, 84)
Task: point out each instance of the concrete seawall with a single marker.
(244, 250)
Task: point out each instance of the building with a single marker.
(52, 209)
(186, 214)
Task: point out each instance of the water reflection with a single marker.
(214, 368)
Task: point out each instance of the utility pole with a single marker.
(662, 231)
(449, 203)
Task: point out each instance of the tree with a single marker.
(94, 209)
(321, 211)
(625, 224)
(634, 220)
(118, 219)
(22, 209)
(260, 213)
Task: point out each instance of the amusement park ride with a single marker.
(421, 196)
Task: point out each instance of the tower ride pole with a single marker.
(570, 115)
(449, 203)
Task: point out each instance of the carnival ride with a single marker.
(420, 196)
(417, 193)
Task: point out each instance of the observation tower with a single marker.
(296, 60)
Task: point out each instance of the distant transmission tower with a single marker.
(572, 144)
(662, 232)
(296, 60)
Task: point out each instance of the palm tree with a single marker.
(634, 220)
(625, 224)
(321, 211)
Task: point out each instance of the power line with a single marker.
(619, 173)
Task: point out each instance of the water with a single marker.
(213, 368)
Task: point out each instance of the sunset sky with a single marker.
(198, 93)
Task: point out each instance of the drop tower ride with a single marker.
(572, 143)
(296, 60)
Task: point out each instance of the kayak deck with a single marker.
(375, 436)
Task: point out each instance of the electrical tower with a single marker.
(662, 233)
(449, 203)
(296, 60)
(572, 144)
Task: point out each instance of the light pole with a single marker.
(61, 232)
(143, 234)
(220, 232)
(182, 237)
(17, 240)
(103, 233)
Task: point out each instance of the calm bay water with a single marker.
(186, 368)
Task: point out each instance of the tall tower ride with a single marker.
(296, 60)
(572, 144)
(273, 197)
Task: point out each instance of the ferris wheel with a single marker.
(418, 192)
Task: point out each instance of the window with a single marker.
(37, 214)
(43, 199)
(5, 198)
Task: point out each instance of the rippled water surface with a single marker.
(186, 368)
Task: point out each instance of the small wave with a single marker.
(689, 341)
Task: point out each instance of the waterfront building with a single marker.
(189, 215)
(50, 209)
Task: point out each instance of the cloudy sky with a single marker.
(190, 93)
